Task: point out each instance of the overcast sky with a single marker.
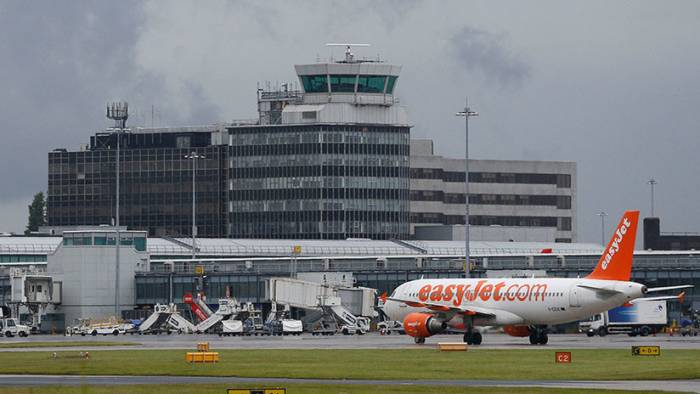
(613, 86)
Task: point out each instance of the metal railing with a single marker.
(425, 262)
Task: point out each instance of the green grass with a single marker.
(588, 364)
(296, 388)
(12, 345)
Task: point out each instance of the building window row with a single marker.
(348, 83)
(261, 130)
(316, 216)
(297, 137)
(320, 148)
(307, 171)
(317, 193)
(561, 223)
(561, 202)
(561, 180)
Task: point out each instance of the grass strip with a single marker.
(297, 388)
(384, 364)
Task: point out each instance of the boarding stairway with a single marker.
(228, 309)
(165, 318)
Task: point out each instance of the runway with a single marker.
(369, 341)
(44, 380)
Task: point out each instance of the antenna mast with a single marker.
(349, 56)
(119, 113)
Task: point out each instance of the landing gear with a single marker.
(538, 336)
(419, 340)
(472, 338)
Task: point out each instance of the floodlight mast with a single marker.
(349, 56)
(194, 156)
(119, 113)
(602, 215)
(467, 113)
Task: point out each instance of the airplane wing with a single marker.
(654, 289)
(680, 297)
(466, 310)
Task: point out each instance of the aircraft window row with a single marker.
(511, 294)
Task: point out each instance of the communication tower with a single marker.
(119, 113)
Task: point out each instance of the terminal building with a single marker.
(161, 270)
(333, 160)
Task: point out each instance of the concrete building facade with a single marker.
(509, 200)
(85, 264)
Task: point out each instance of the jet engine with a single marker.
(422, 325)
(517, 331)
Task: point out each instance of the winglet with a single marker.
(681, 297)
(616, 261)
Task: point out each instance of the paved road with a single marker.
(43, 380)
(370, 341)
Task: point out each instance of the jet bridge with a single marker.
(323, 298)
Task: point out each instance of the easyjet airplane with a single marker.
(525, 307)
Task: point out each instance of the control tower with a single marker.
(350, 91)
(328, 162)
(346, 91)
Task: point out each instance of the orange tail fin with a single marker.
(616, 261)
(383, 297)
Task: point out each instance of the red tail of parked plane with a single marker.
(616, 261)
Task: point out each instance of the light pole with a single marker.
(467, 113)
(602, 226)
(651, 183)
(194, 156)
(119, 112)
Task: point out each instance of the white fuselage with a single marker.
(531, 301)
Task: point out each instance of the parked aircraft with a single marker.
(524, 307)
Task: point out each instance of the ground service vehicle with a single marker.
(360, 326)
(283, 327)
(386, 327)
(690, 325)
(641, 318)
(523, 307)
(10, 327)
(231, 327)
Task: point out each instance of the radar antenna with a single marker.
(349, 56)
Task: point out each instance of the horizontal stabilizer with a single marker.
(680, 297)
(655, 289)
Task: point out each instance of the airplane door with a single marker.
(574, 296)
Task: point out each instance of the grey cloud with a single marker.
(484, 52)
(61, 62)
